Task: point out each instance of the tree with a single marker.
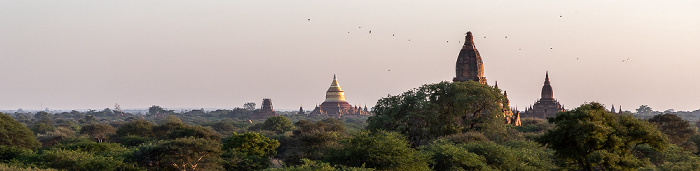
(249, 151)
(644, 110)
(435, 110)
(448, 156)
(677, 130)
(381, 150)
(43, 115)
(140, 128)
(279, 124)
(101, 132)
(180, 154)
(250, 106)
(14, 134)
(590, 137)
(311, 140)
(155, 110)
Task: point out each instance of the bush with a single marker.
(381, 150)
(467, 137)
(448, 156)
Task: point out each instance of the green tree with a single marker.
(311, 140)
(381, 150)
(155, 110)
(435, 110)
(249, 151)
(14, 134)
(590, 137)
(279, 124)
(140, 128)
(677, 130)
(101, 132)
(43, 126)
(43, 116)
(448, 156)
(250, 106)
(644, 110)
(180, 154)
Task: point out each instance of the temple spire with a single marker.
(469, 41)
(547, 92)
(335, 93)
(613, 108)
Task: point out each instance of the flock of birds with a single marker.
(551, 48)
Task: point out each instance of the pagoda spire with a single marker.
(335, 93)
(547, 92)
(613, 108)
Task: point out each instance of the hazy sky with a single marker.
(220, 54)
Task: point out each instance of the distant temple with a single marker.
(301, 111)
(470, 67)
(335, 104)
(547, 106)
(265, 110)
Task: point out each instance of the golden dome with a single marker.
(335, 93)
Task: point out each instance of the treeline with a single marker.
(442, 126)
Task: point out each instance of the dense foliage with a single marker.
(434, 110)
(442, 126)
(14, 134)
(590, 137)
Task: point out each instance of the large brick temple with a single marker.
(335, 104)
(470, 67)
(546, 106)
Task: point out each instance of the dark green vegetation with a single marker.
(442, 126)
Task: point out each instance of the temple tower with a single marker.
(265, 111)
(469, 64)
(546, 106)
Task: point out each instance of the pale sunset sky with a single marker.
(221, 54)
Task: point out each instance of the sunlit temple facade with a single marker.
(335, 105)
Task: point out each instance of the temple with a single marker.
(335, 105)
(469, 63)
(546, 106)
(470, 67)
(265, 110)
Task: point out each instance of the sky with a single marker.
(86, 54)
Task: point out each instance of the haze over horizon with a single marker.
(222, 54)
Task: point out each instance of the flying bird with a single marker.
(506, 37)
(559, 16)
(370, 32)
(309, 19)
(392, 34)
(448, 41)
(550, 47)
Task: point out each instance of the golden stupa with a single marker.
(335, 104)
(335, 93)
